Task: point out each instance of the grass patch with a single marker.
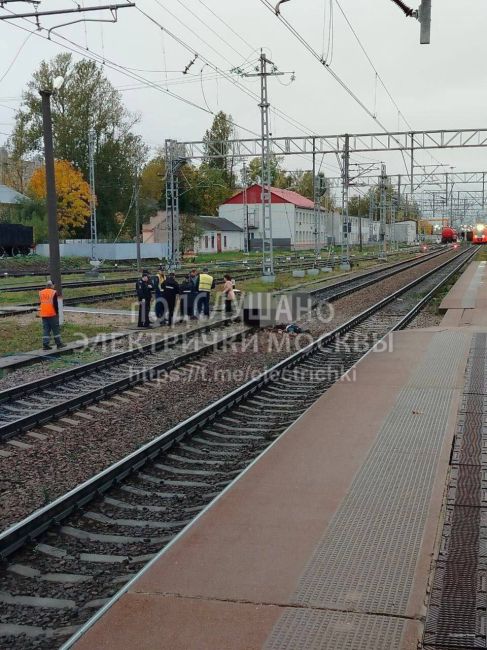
(481, 254)
(32, 297)
(15, 339)
(41, 279)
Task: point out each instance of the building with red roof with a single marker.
(293, 217)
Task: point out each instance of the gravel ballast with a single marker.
(30, 478)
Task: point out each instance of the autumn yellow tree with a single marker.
(73, 195)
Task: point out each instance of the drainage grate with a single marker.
(458, 603)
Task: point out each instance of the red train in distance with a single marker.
(479, 234)
(449, 235)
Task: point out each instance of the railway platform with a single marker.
(338, 534)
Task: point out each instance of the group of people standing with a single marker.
(194, 293)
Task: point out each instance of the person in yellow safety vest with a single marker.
(49, 312)
(204, 284)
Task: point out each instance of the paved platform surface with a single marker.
(327, 541)
(466, 302)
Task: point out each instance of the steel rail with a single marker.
(231, 267)
(38, 522)
(53, 411)
(30, 307)
(92, 395)
(23, 390)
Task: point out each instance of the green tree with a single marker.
(358, 206)
(152, 191)
(33, 212)
(217, 143)
(191, 228)
(279, 178)
(87, 100)
(202, 189)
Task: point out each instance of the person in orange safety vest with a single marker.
(49, 312)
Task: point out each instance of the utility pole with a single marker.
(245, 212)
(383, 210)
(345, 262)
(451, 204)
(93, 227)
(371, 215)
(54, 254)
(445, 218)
(360, 242)
(137, 221)
(267, 247)
(266, 153)
(423, 14)
(317, 205)
(174, 162)
(483, 192)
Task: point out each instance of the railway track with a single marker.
(43, 400)
(230, 265)
(256, 269)
(65, 562)
(114, 295)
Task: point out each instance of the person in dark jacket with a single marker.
(193, 278)
(143, 288)
(171, 291)
(186, 293)
(158, 283)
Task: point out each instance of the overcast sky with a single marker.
(437, 86)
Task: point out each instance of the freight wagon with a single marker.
(15, 239)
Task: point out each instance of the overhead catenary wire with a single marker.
(213, 31)
(90, 54)
(378, 77)
(328, 68)
(195, 33)
(234, 32)
(16, 56)
(73, 46)
(227, 76)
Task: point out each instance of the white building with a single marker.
(293, 217)
(219, 235)
(404, 231)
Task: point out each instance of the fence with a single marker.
(107, 251)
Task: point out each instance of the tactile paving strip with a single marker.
(302, 629)
(367, 557)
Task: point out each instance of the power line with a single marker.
(328, 68)
(209, 27)
(377, 74)
(15, 57)
(226, 75)
(75, 47)
(91, 54)
(190, 29)
(251, 47)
